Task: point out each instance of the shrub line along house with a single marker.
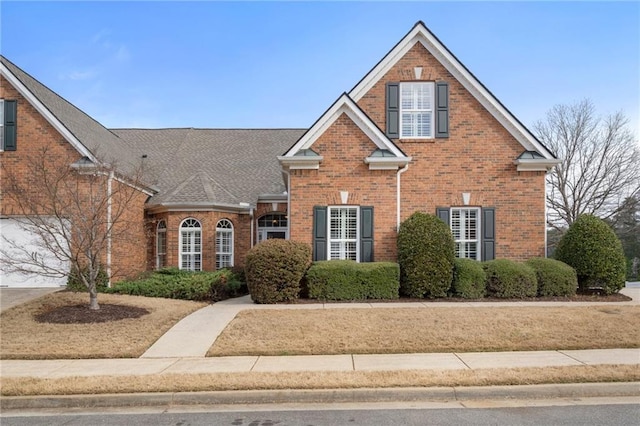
(418, 133)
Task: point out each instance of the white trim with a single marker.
(478, 219)
(44, 111)
(162, 231)
(386, 163)
(109, 225)
(344, 105)
(301, 162)
(531, 165)
(420, 34)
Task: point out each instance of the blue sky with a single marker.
(281, 64)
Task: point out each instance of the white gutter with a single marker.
(109, 224)
(400, 171)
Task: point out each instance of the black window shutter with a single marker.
(366, 234)
(442, 109)
(10, 118)
(488, 233)
(319, 233)
(443, 214)
(393, 110)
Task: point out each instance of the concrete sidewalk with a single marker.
(53, 369)
(196, 333)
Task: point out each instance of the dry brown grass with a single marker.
(21, 337)
(316, 380)
(417, 330)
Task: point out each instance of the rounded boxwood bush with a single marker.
(274, 269)
(426, 255)
(509, 279)
(468, 279)
(555, 278)
(592, 248)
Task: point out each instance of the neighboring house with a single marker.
(418, 133)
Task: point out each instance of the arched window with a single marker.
(272, 225)
(161, 245)
(191, 245)
(224, 244)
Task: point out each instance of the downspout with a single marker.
(286, 172)
(251, 216)
(400, 171)
(109, 242)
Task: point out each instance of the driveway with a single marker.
(14, 296)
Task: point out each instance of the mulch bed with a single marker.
(616, 297)
(81, 314)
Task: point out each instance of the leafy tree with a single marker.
(600, 162)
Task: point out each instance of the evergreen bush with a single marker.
(592, 248)
(426, 255)
(349, 280)
(509, 279)
(555, 278)
(468, 279)
(274, 269)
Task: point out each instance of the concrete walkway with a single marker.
(53, 369)
(194, 334)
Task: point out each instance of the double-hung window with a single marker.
(224, 244)
(416, 110)
(343, 233)
(465, 226)
(191, 245)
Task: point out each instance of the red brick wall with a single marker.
(208, 221)
(477, 158)
(344, 147)
(35, 134)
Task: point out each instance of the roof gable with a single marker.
(298, 154)
(421, 34)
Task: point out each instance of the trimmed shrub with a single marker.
(349, 280)
(555, 278)
(426, 255)
(468, 279)
(592, 248)
(274, 269)
(509, 279)
(74, 283)
(172, 283)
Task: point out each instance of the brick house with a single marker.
(418, 133)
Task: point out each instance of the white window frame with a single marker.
(415, 111)
(280, 227)
(189, 230)
(161, 244)
(341, 253)
(463, 240)
(224, 228)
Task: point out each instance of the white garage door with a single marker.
(10, 229)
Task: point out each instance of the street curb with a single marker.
(327, 396)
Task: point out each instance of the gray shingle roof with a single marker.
(212, 166)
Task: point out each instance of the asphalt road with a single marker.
(556, 415)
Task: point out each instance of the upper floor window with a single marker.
(8, 111)
(224, 244)
(161, 245)
(465, 226)
(416, 110)
(191, 245)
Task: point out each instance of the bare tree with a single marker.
(76, 212)
(600, 162)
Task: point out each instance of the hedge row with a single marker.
(172, 283)
(349, 280)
